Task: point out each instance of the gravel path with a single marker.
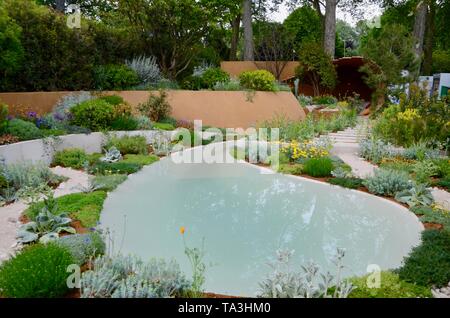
(9, 215)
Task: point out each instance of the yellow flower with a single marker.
(182, 230)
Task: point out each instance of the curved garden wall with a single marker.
(226, 109)
(44, 149)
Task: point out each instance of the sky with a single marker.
(370, 11)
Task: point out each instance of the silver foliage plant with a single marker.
(129, 277)
(112, 155)
(308, 282)
(146, 68)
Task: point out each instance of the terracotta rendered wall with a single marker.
(226, 109)
(235, 68)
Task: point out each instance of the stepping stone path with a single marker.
(9, 215)
(346, 147)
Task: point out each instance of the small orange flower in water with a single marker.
(182, 230)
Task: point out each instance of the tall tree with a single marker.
(421, 12)
(247, 22)
(329, 36)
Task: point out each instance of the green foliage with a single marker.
(142, 160)
(47, 225)
(38, 271)
(324, 100)
(163, 126)
(391, 287)
(295, 169)
(207, 80)
(156, 107)
(387, 182)
(443, 183)
(441, 61)
(24, 130)
(424, 170)
(443, 167)
(351, 183)
(105, 168)
(429, 263)
(304, 23)
(128, 144)
(418, 195)
(433, 215)
(27, 174)
(260, 80)
(416, 118)
(3, 118)
(129, 277)
(70, 158)
(310, 127)
(11, 50)
(318, 167)
(308, 282)
(83, 247)
(110, 182)
(114, 100)
(85, 207)
(391, 48)
(397, 164)
(114, 77)
(124, 123)
(94, 114)
(375, 150)
(316, 67)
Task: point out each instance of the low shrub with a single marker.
(318, 167)
(114, 77)
(94, 158)
(112, 278)
(260, 80)
(156, 107)
(419, 151)
(443, 183)
(124, 123)
(433, 215)
(428, 264)
(442, 167)
(397, 164)
(3, 117)
(164, 126)
(70, 158)
(375, 150)
(350, 183)
(94, 114)
(83, 247)
(24, 130)
(324, 100)
(105, 168)
(295, 169)
(114, 100)
(38, 271)
(424, 170)
(390, 287)
(388, 182)
(144, 123)
(109, 182)
(142, 160)
(85, 207)
(28, 174)
(212, 76)
(136, 145)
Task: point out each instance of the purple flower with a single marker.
(32, 115)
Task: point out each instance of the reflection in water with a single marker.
(245, 216)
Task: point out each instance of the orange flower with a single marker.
(182, 230)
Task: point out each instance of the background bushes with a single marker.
(136, 145)
(114, 77)
(94, 114)
(70, 158)
(24, 130)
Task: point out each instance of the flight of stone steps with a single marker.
(349, 136)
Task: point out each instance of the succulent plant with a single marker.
(112, 155)
(418, 195)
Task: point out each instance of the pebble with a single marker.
(12, 220)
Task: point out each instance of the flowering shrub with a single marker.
(296, 151)
(260, 80)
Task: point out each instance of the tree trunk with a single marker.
(248, 31)
(329, 38)
(419, 28)
(235, 25)
(61, 5)
(427, 66)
